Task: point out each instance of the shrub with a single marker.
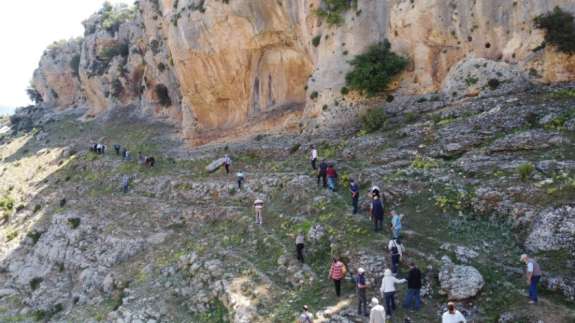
(163, 95)
(294, 149)
(471, 80)
(314, 95)
(333, 9)
(373, 120)
(75, 65)
(344, 90)
(37, 208)
(421, 162)
(373, 70)
(34, 95)
(6, 203)
(525, 170)
(11, 235)
(559, 29)
(116, 88)
(493, 84)
(74, 222)
(108, 53)
(316, 40)
(34, 236)
(114, 16)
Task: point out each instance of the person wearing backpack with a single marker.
(396, 251)
(306, 316)
(322, 174)
(361, 285)
(336, 273)
(377, 213)
(387, 289)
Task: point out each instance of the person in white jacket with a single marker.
(452, 315)
(377, 314)
(387, 289)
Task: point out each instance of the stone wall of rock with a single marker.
(221, 69)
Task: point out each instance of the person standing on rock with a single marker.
(227, 163)
(377, 213)
(396, 223)
(337, 273)
(533, 277)
(452, 315)
(306, 316)
(377, 314)
(299, 246)
(240, 178)
(354, 189)
(258, 206)
(396, 251)
(313, 157)
(361, 285)
(387, 289)
(331, 177)
(321, 174)
(413, 288)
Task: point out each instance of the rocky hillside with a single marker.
(479, 181)
(229, 68)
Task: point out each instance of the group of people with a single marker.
(99, 149)
(146, 161)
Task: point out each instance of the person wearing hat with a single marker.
(306, 316)
(361, 285)
(533, 277)
(354, 189)
(452, 315)
(377, 314)
(258, 206)
(387, 289)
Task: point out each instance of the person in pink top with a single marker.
(337, 273)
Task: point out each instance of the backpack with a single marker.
(395, 249)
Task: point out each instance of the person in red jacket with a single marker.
(337, 273)
(331, 177)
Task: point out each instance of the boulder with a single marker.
(570, 125)
(527, 140)
(215, 165)
(459, 282)
(553, 229)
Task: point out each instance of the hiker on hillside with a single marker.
(258, 206)
(141, 158)
(299, 245)
(313, 157)
(396, 250)
(413, 288)
(375, 191)
(151, 161)
(377, 213)
(337, 272)
(354, 189)
(396, 223)
(117, 149)
(227, 163)
(306, 316)
(240, 178)
(387, 289)
(322, 173)
(361, 285)
(125, 154)
(377, 314)
(125, 183)
(533, 277)
(331, 177)
(452, 315)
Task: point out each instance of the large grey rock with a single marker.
(528, 140)
(215, 165)
(459, 282)
(553, 229)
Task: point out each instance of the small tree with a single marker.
(163, 95)
(34, 95)
(373, 70)
(373, 120)
(559, 29)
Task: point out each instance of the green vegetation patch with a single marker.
(373, 120)
(559, 29)
(331, 11)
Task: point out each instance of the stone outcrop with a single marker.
(227, 69)
(459, 282)
(553, 230)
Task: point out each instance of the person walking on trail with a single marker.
(313, 157)
(240, 177)
(377, 314)
(533, 277)
(299, 246)
(354, 189)
(258, 206)
(227, 163)
(413, 288)
(125, 183)
(377, 213)
(452, 315)
(361, 285)
(306, 316)
(331, 177)
(396, 250)
(117, 149)
(337, 273)
(396, 223)
(322, 174)
(387, 289)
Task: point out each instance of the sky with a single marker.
(27, 27)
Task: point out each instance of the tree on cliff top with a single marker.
(114, 16)
(373, 70)
(559, 29)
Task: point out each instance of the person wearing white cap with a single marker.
(306, 316)
(388, 290)
(452, 315)
(361, 285)
(377, 314)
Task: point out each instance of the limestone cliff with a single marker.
(223, 69)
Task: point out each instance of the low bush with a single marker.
(374, 70)
(525, 170)
(75, 65)
(74, 222)
(115, 15)
(34, 95)
(373, 120)
(316, 41)
(163, 95)
(332, 10)
(559, 29)
(493, 84)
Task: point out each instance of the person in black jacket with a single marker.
(322, 174)
(413, 288)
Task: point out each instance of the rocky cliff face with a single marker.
(233, 68)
